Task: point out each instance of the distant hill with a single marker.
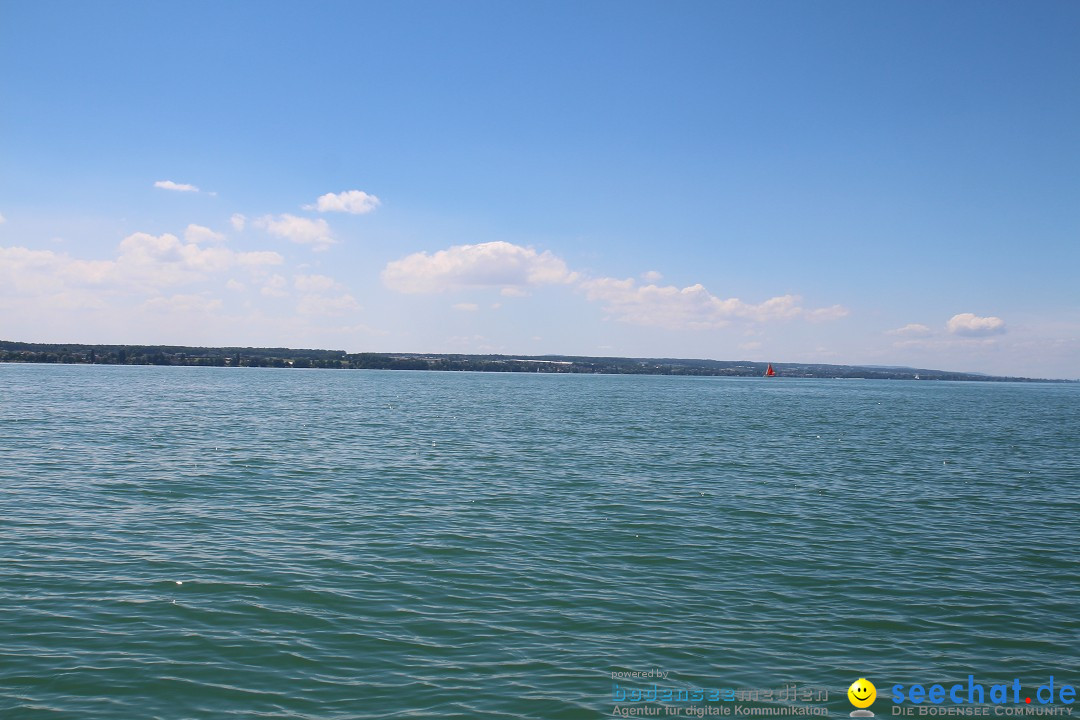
(341, 360)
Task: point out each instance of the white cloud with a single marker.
(185, 304)
(199, 234)
(356, 202)
(315, 283)
(825, 314)
(165, 260)
(651, 276)
(466, 307)
(693, 306)
(166, 288)
(971, 325)
(168, 259)
(51, 288)
(35, 273)
(321, 295)
(275, 286)
(942, 343)
(514, 269)
(238, 221)
(303, 231)
(2, 219)
(492, 264)
(327, 306)
(514, 292)
(179, 187)
(142, 261)
(911, 330)
(256, 258)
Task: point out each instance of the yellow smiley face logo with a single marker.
(862, 693)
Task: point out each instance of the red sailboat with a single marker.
(770, 372)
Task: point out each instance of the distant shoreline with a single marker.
(178, 355)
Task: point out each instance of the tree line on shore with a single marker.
(340, 360)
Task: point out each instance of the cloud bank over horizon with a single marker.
(197, 280)
(514, 269)
(200, 276)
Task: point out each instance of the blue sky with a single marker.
(850, 182)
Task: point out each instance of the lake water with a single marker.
(364, 544)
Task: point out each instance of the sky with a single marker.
(884, 183)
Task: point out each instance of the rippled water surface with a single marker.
(356, 544)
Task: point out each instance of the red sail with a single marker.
(770, 372)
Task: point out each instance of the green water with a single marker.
(356, 544)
